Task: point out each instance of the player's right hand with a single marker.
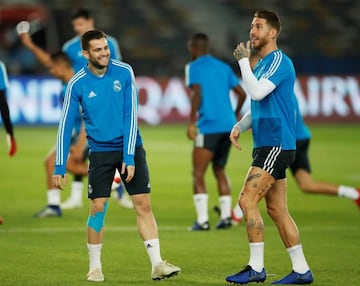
(234, 137)
(192, 131)
(59, 182)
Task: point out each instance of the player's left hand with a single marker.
(241, 51)
(130, 172)
(234, 137)
(12, 144)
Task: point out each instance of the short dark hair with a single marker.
(200, 41)
(81, 13)
(61, 56)
(91, 35)
(271, 17)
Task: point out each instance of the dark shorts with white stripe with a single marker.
(218, 143)
(102, 170)
(273, 160)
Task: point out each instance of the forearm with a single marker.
(195, 105)
(245, 122)
(5, 114)
(257, 89)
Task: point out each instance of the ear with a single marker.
(85, 54)
(273, 33)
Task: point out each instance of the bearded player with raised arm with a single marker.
(272, 119)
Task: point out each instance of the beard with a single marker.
(260, 43)
(97, 65)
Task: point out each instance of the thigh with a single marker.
(257, 184)
(203, 151)
(276, 197)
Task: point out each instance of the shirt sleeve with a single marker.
(257, 89)
(69, 111)
(130, 120)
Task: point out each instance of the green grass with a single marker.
(53, 251)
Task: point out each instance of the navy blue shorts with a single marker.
(273, 160)
(217, 143)
(102, 170)
(301, 158)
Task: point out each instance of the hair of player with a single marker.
(91, 35)
(200, 40)
(61, 56)
(271, 17)
(81, 13)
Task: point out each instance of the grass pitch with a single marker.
(52, 251)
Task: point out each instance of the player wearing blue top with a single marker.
(107, 93)
(272, 119)
(4, 109)
(82, 22)
(301, 170)
(211, 119)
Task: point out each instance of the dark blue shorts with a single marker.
(217, 143)
(102, 170)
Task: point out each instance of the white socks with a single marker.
(348, 192)
(256, 260)
(153, 250)
(94, 251)
(53, 197)
(238, 212)
(76, 191)
(225, 206)
(201, 207)
(298, 259)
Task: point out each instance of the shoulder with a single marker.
(121, 66)
(76, 79)
(71, 42)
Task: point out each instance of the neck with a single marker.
(97, 70)
(265, 50)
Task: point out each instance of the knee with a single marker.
(198, 174)
(306, 187)
(142, 205)
(97, 207)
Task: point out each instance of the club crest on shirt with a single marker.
(117, 85)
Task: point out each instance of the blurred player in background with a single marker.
(59, 66)
(210, 123)
(4, 109)
(107, 93)
(301, 170)
(273, 122)
(82, 21)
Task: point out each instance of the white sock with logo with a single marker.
(94, 251)
(256, 260)
(201, 206)
(348, 192)
(298, 260)
(153, 250)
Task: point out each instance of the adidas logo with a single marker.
(92, 94)
(148, 246)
